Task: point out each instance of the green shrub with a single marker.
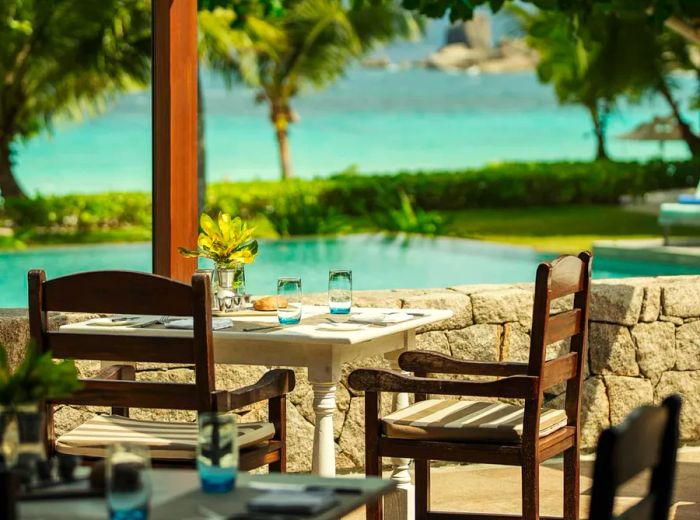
(407, 219)
(80, 213)
(298, 212)
(322, 205)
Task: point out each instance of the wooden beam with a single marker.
(174, 136)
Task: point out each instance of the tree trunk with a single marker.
(692, 140)
(280, 118)
(599, 129)
(8, 183)
(201, 148)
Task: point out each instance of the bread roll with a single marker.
(269, 303)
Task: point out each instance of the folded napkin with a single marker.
(188, 323)
(380, 318)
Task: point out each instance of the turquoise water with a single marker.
(377, 120)
(376, 262)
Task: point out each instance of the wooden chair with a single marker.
(646, 440)
(487, 431)
(117, 292)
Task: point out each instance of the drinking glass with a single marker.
(290, 290)
(340, 291)
(128, 481)
(217, 452)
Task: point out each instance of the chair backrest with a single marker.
(646, 440)
(566, 276)
(123, 292)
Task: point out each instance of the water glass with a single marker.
(128, 481)
(290, 290)
(217, 452)
(340, 291)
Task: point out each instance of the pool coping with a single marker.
(685, 253)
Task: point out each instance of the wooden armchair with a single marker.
(646, 440)
(489, 431)
(170, 442)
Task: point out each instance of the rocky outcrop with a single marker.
(469, 46)
(643, 339)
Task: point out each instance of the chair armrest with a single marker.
(378, 380)
(434, 362)
(117, 373)
(275, 383)
(559, 370)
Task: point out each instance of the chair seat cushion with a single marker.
(166, 440)
(476, 421)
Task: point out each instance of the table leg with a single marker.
(323, 461)
(400, 505)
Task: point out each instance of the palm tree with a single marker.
(62, 57)
(309, 46)
(571, 63)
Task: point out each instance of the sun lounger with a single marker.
(675, 214)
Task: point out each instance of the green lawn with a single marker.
(552, 229)
(555, 229)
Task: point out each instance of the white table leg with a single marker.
(323, 461)
(401, 504)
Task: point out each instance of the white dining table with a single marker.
(322, 352)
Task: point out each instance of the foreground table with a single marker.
(176, 495)
(323, 352)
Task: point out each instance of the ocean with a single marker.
(372, 120)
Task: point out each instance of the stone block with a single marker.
(681, 299)
(595, 411)
(625, 394)
(616, 302)
(300, 441)
(516, 343)
(502, 306)
(656, 347)
(687, 385)
(612, 350)
(458, 303)
(479, 342)
(688, 346)
(651, 305)
(671, 319)
(435, 341)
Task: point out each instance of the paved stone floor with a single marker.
(472, 488)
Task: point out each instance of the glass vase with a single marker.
(230, 290)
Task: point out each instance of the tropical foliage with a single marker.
(60, 58)
(226, 241)
(608, 57)
(36, 378)
(307, 48)
(682, 16)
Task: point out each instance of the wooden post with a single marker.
(174, 136)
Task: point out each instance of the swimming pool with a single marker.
(377, 262)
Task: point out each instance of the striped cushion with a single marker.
(438, 419)
(166, 440)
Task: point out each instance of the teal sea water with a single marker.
(376, 120)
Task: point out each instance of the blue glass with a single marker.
(289, 298)
(216, 479)
(340, 291)
(128, 506)
(128, 482)
(217, 452)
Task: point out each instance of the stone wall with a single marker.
(644, 344)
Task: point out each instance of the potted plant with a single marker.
(22, 390)
(229, 243)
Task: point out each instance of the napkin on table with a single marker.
(381, 318)
(188, 323)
